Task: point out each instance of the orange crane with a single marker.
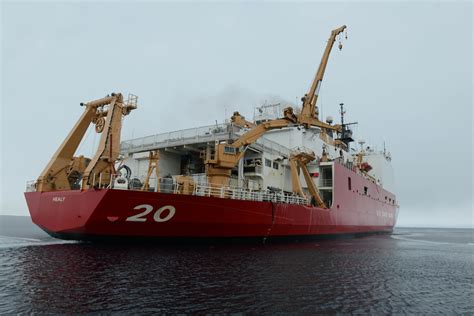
(298, 161)
(309, 113)
(225, 157)
(64, 169)
(153, 158)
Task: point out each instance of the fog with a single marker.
(405, 74)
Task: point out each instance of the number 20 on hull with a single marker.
(141, 217)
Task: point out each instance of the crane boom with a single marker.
(153, 158)
(240, 121)
(227, 156)
(299, 160)
(310, 110)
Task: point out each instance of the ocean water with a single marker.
(414, 270)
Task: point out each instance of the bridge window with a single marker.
(275, 165)
(365, 190)
(268, 162)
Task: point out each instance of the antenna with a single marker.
(342, 113)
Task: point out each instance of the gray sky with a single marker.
(405, 74)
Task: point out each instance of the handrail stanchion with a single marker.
(111, 181)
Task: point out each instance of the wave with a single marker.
(15, 242)
(431, 241)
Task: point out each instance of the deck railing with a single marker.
(207, 133)
(199, 187)
(236, 193)
(210, 132)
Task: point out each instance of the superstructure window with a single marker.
(230, 150)
(268, 162)
(275, 165)
(365, 190)
(349, 184)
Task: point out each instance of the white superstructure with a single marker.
(265, 164)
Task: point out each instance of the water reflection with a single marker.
(375, 274)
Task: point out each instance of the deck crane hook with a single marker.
(340, 38)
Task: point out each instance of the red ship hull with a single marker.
(123, 213)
